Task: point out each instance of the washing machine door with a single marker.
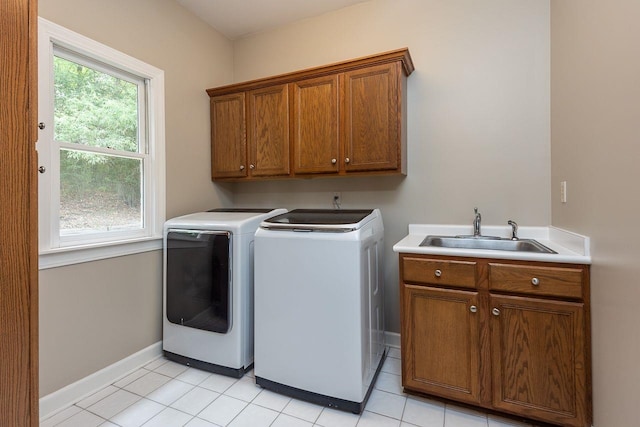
(198, 279)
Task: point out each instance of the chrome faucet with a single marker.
(476, 223)
(514, 229)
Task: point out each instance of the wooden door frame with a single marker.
(18, 215)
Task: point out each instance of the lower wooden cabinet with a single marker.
(517, 341)
(538, 359)
(441, 322)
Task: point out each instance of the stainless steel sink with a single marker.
(486, 242)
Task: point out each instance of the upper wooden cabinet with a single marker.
(268, 131)
(372, 123)
(316, 141)
(340, 119)
(250, 134)
(228, 136)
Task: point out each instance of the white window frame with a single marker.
(54, 251)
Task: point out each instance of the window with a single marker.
(101, 151)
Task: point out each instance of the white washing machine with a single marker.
(208, 289)
(318, 305)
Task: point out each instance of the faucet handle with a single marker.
(514, 229)
(477, 214)
(476, 223)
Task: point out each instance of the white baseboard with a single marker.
(66, 396)
(392, 339)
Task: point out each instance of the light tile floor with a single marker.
(167, 394)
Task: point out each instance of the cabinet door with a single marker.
(268, 124)
(228, 136)
(315, 125)
(538, 359)
(441, 342)
(372, 111)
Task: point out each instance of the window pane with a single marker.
(94, 108)
(99, 193)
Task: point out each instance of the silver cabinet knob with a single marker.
(41, 125)
(241, 167)
(334, 161)
(473, 309)
(347, 160)
(495, 312)
(438, 273)
(535, 281)
(42, 169)
(252, 166)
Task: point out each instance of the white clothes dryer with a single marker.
(208, 289)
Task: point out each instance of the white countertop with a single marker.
(570, 247)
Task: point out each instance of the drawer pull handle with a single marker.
(333, 161)
(495, 312)
(438, 273)
(473, 309)
(241, 167)
(535, 281)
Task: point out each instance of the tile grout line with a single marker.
(404, 408)
(444, 415)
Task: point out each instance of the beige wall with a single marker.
(478, 112)
(94, 314)
(595, 128)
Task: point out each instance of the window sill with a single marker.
(76, 255)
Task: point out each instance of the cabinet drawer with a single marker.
(439, 272)
(532, 280)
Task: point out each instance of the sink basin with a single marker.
(491, 243)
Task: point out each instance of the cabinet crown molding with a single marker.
(401, 55)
